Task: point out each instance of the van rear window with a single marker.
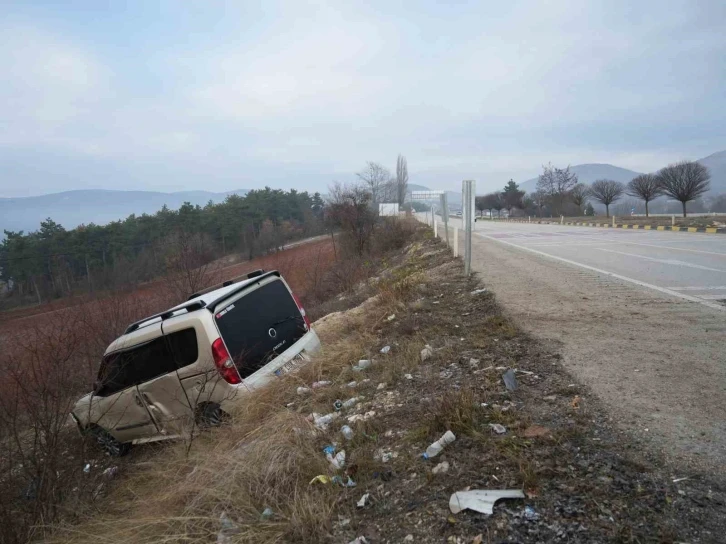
(260, 326)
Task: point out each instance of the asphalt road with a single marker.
(690, 266)
(639, 318)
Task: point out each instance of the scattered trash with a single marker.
(363, 500)
(530, 513)
(408, 376)
(391, 317)
(229, 528)
(481, 500)
(359, 540)
(323, 383)
(352, 384)
(351, 402)
(426, 353)
(362, 365)
(478, 291)
(381, 386)
(335, 459)
(535, 431)
(303, 390)
(478, 539)
(408, 538)
(267, 513)
(343, 522)
(510, 380)
(110, 472)
(575, 403)
(385, 456)
(680, 479)
(320, 478)
(87, 468)
(338, 405)
(437, 447)
(364, 417)
(474, 362)
(385, 349)
(441, 468)
(347, 483)
(347, 432)
(497, 428)
(550, 398)
(322, 422)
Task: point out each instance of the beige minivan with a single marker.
(189, 365)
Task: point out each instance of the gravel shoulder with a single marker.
(658, 363)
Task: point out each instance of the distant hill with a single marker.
(72, 208)
(716, 164)
(587, 173)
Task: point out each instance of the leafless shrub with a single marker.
(188, 258)
(556, 184)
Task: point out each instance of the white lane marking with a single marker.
(676, 248)
(700, 288)
(673, 262)
(664, 290)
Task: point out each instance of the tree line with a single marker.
(559, 191)
(53, 262)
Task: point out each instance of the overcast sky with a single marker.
(225, 95)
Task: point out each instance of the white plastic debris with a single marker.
(497, 428)
(385, 349)
(481, 500)
(408, 376)
(352, 384)
(338, 461)
(87, 468)
(426, 353)
(362, 365)
(359, 540)
(110, 472)
(441, 468)
(510, 380)
(437, 447)
(322, 422)
(303, 390)
(391, 317)
(381, 386)
(228, 530)
(363, 500)
(478, 291)
(322, 383)
(347, 432)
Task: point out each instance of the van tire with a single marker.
(210, 414)
(108, 443)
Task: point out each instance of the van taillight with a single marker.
(302, 312)
(224, 363)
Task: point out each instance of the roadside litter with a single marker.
(391, 317)
(325, 479)
(87, 468)
(322, 383)
(385, 349)
(347, 432)
(303, 390)
(426, 353)
(363, 500)
(497, 428)
(530, 513)
(110, 472)
(510, 380)
(267, 513)
(359, 540)
(335, 459)
(481, 500)
(437, 447)
(478, 291)
(362, 365)
(228, 530)
(381, 386)
(408, 376)
(322, 422)
(352, 384)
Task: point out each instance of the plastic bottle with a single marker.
(437, 447)
(351, 402)
(347, 432)
(322, 422)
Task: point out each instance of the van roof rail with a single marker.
(191, 307)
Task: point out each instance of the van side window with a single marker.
(135, 365)
(184, 347)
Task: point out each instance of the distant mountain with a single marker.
(716, 164)
(587, 173)
(72, 208)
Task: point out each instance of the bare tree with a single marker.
(376, 178)
(480, 204)
(579, 194)
(349, 209)
(684, 181)
(188, 263)
(539, 200)
(556, 183)
(606, 191)
(401, 179)
(645, 187)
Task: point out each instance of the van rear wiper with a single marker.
(288, 318)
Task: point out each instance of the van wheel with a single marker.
(210, 415)
(109, 444)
